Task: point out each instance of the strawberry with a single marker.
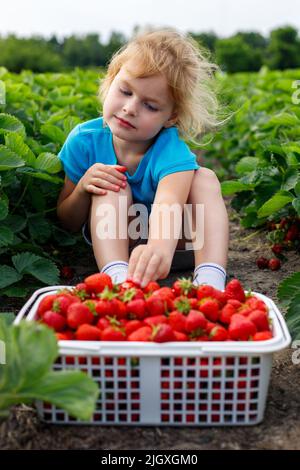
(256, 303)
(277, 248)
(210, 308)
(157, 320)
(97, 282)
(87, 332)
(234, 290)
(162, 333)
(133, 325)
(66, 272)
(262, 336)
(142, 334)
(46, 304)
(65, 336)
(155, 306)
(205, 291)
(62, 303)
(151, 287)
(180, 336)
(274, 264)
(136, 309)
(177, 321)
(184, 286)
(166, 295)
(260, 320)
(79, 313)
(226, 313)
(218, 333)
(262, 262)
(292, 233)
(196, 322)
(113, 333)
(240, 328)
(54, 320)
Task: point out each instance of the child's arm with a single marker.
(153, 261)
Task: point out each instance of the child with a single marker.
(156, 87)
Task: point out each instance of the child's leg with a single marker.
(112, 253)
(211, 258)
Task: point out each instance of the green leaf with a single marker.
(296, 205)
(232, 186)
(31, 349)
(9, 160)
(8, 276)
(293, 317)
(291, 178)
(17, 145)
(48, 162)
(6, 236)
(54, 133)
(246, 164)
(39, 228)
(15, 291)
(15, 222)
(10, 123)
(282, 119)
(275, 203)
(7, 317)
(39, 175)
(289, 287)
(297, 189)
(41, 268)
(3, 209)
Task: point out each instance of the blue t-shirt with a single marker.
(89, 143)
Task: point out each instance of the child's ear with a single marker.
(171, 121)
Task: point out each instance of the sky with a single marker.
(64, 17)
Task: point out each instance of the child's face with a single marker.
(143, 102)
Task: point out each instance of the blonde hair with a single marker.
(189, 73)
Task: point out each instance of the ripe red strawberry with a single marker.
(156, 306)
(104, 308)
(136, 309)
(177, 321)
(113, 333)
(142, 334)
(66, 272)
(88, 333)
(162, 333)
(256, 303)
(274, 264)
(157, 320)
(262, 262)
(132, 325)
(180, 336)
(292, 233)
(241, 328)
(210, 308)
(226, 313)
(46, 304)
(97, 282)
(196, 323)
(262, 336)
(54, 320)
(277, 248)
(234, 290)
(65, 335)
(166, 295)
(151, 287)
(205, 290)
(103, 323)
(184, 286)
(79, 313)
(218, 333)
(62, 303)
(260, 320)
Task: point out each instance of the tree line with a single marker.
(241, 52)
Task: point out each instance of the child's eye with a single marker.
(150, 107)
(125, 92)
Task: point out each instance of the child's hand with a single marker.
(99, 178)
(148, 263)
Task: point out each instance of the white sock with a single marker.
(117, 270)
(210, 273)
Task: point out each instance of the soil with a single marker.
(280, 428)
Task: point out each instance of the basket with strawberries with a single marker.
(98, 310)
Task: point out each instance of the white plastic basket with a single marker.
(173, 384)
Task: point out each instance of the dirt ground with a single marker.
(279, 430)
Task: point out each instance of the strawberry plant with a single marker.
(26, 372)
(288, 293)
